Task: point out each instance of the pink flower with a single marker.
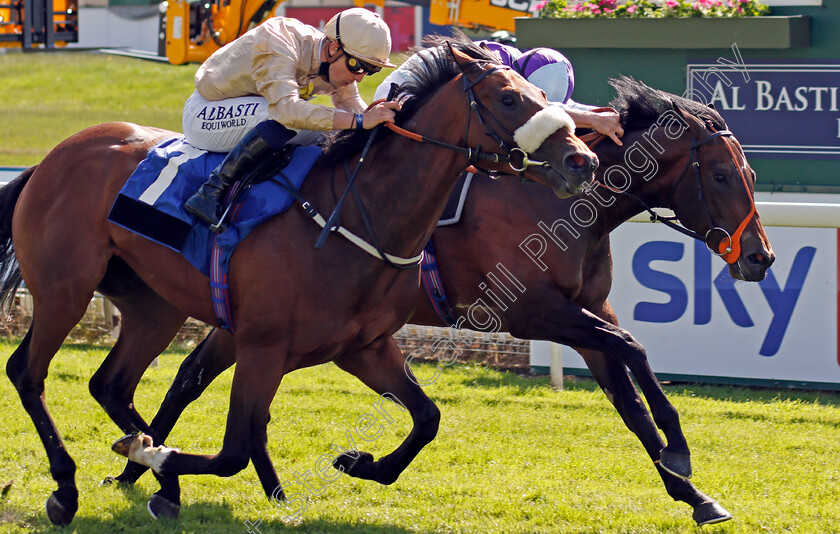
(672, 3)
(539, 6)
(632, 9)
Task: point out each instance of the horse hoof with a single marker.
(123, 445)
(359, 465)
(162, 507)
(59, 514)
(710, 513)
(678, 464)
(108, 481)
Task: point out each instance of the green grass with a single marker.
(511, 456)
(48, 97)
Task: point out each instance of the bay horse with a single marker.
(677, 154)
(293, 306)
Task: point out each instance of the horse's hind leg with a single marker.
(148, 326)
(53, 318)
(381, 367)
(613, 378)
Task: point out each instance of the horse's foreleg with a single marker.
(381, 367)
(613, 378)
(569, 324)
(148, 326)
(255, 382)
(215, 354)
(208, 360)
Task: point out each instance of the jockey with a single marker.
(251, 91)
(547, 69)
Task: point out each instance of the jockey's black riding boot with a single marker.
(260, 143)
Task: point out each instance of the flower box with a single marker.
(684, 33)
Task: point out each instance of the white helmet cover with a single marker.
(362, 34)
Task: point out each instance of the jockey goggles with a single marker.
(357, 66)
(354, 64)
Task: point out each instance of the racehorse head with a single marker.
(713, 193)
(510, 127)
(515, 119)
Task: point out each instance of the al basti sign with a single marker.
(781, 109)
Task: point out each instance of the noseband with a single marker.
(516, 157)
(729, 248)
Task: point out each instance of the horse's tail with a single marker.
(10, 278)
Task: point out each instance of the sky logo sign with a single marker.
(781, 295)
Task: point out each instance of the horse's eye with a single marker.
(720, 178)
(508, 100)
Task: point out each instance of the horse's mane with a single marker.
(433, 67)
(640, 105)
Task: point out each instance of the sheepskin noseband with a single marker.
(531, 135)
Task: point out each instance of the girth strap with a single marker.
(433, 285)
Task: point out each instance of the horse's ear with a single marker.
(677, 108)
(461, 58)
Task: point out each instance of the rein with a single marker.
(515, 157)
(332, 224)
(373, 250)
(729, 248)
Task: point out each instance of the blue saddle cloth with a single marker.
(151, 202)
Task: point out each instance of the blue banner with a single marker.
(777, 109)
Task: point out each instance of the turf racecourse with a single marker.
(512, 456)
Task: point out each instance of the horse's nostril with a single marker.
(759, 259)
(577, 161)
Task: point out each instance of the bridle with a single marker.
(516, 158)
(729, 247)
(518, 163)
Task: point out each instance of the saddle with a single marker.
(151, 202)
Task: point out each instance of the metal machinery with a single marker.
(32, 23)
(479, 14)
(191, 31)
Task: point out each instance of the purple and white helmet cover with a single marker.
(546, 68)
